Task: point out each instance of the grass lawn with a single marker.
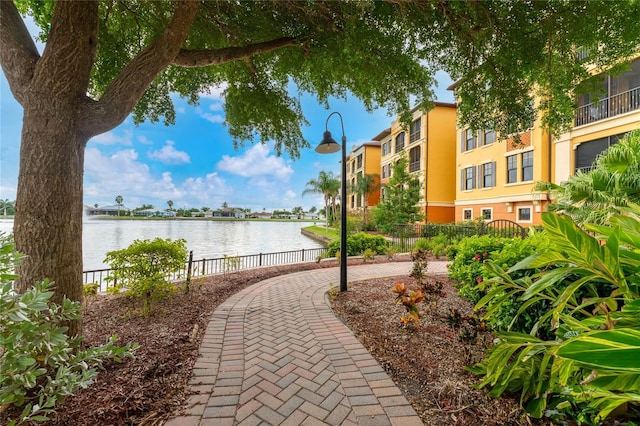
(332, 233)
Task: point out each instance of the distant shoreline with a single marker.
(215, 219)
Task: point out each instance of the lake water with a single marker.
(207, 238)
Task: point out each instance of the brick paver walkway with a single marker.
(274, 354)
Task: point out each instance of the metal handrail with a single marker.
(608, 107)
(219, 265)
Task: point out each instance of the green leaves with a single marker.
(145, 266)
(610, 349)
(589, 367)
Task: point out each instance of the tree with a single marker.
(106, 60)
(612, 183)
(170, 204)
(400, 204)
(119, 200)
(7, 207)
(313, 209)
(326, 185)
(364, 186)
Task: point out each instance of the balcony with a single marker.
(608, 107)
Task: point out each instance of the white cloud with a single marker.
(215, 92)
(122, 173)
(214, 118)
(169, 155)
(256, 162)
(111, 138)
(145, 140)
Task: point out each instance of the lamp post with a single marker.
(328, 145)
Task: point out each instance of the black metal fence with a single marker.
(194, 268)
(404, 237)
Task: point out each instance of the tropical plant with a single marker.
(409, 299)
(170, 204)
(612, 182)
(588, 368)
(363, 187)
(400, 204)
(144, 267)
(119, 200)
(39, 363)
(327, 185)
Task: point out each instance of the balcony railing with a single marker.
(608, 107)
(414, 166)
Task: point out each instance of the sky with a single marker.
(193, 163)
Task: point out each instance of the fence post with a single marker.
(203, 265)
(189, 266)
(260, 260)
(303, 255)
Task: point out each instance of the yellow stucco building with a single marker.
(364, 159)
(430, 146)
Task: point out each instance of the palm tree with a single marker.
(327, 185)
(119, 200)
(170, 204)
(612, 183)
(363, 187)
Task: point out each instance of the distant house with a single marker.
(154, 212)
(260, 215)
(108, 211)
(230, 212)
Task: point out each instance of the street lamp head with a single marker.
(327, 145)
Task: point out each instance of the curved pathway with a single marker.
(275, 354)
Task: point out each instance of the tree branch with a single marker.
(128, 87)
(65, 66)
(18, 52)
(200, 58)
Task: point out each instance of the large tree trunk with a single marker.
(48, 220)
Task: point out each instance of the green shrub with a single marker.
(466, 267)
(422, 244)
(358, 243)
(143, 268)
(588, 368)
(39, 363)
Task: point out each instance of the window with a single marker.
(524, 214)
(383, 194)
(414, 131)
(400, 142)
(487, 173)
(512, 169)
(414, 159)
(467, 214)
(359, 161)
(384, 171)
(384, 148)
(587, 152)
(353, 197)
(487, 214)
(469, 140)
(527, 166)
(359, 202)
(489, 137)
(468, 178)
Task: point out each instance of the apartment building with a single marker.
(430, 145)
(363, 160)
(599, 123)
(495, 179)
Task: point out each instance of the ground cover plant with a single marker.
(586, 370)
(39, 364)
